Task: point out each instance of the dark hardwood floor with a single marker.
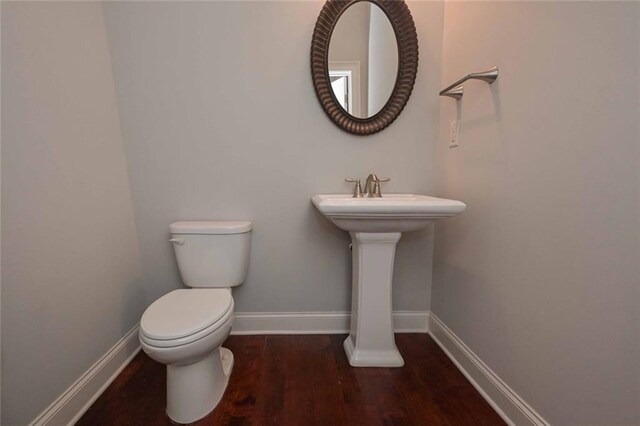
(307, 380)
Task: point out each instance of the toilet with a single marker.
(185, 329)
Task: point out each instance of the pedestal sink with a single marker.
(375, 226)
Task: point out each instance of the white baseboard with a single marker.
(72, 404)
(511, 407)
(77, 399)
(246, 323)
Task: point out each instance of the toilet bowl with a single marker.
(185, 329)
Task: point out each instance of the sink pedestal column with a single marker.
(371, 342)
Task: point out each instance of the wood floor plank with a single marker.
(239, 402)
(271, 391)
(306, 380)
(298, 404)
(327, 397)
(423, 408)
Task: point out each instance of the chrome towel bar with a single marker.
(456, 90)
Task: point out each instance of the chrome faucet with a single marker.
(369, 191)
(367, 186)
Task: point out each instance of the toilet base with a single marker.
(194, 390)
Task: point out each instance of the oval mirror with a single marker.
(364, 60)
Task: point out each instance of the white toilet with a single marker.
(185, 329)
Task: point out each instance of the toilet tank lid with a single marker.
(211, 227)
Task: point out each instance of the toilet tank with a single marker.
(212, 253)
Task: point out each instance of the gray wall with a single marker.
(220, 121)
(540, 275)
(70, 263)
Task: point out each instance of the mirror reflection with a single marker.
(363, 60)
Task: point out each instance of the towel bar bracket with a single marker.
(456, 90)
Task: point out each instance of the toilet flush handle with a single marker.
(178, 241)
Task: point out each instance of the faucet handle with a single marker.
(357, 191)
(376, 193)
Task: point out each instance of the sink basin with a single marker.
(390, 213)
(375, 226)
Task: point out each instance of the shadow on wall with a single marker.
(134, 300)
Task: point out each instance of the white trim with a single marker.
(356, 87)
(508, 404)
(246, 323)
(75, 401)
(349, 75)
(72, 404)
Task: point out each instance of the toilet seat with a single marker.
(186, 315)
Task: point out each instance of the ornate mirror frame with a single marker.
(405, 30)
